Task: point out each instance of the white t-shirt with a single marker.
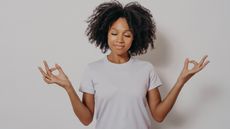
(120, 92)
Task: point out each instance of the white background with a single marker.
(35, 30)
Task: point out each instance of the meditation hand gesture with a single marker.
(61, 79)
(187, 73)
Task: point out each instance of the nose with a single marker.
(120, 39)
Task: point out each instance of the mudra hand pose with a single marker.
(119, 88)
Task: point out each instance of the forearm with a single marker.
(81, 111)
(162, 109)
(165, 106)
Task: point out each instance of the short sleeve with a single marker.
(86, 84)
(154, 79)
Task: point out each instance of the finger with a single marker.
(202, 60)
(193, 62)
(59, 68)
(43, 73)
(53, 69)
(186, 62)
(48, 81)
(205, 64)
(47, 68)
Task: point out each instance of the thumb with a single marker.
(186, 62)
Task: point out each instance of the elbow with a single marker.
(86, 123)
(159, 120)
(85, 120)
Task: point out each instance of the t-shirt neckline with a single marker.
(118, 65)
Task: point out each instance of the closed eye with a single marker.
(113, 34)
(127, 36)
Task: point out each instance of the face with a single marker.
(120, 37)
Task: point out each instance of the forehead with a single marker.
(120, 25)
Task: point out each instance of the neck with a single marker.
(118, 59)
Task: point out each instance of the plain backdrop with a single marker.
(54, 30)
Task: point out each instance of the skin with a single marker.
(120, 40)
(120, 35)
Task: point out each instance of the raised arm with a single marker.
(160, 108)
(84, 109)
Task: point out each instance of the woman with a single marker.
(121, 88)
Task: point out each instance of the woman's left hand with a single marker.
(187, 73)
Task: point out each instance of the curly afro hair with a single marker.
(138, 18)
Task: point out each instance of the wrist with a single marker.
(68, 87)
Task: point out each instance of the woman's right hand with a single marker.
(61, 79)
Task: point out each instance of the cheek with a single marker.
(129, 42)
(111, 39)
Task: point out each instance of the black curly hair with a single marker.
(138, 18)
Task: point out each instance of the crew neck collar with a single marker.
(116, 64)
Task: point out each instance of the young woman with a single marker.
(119, 88)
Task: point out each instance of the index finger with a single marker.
(47, 68)
(203, 59)
(43, 73)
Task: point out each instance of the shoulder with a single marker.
(143, 63)
(95, 64)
